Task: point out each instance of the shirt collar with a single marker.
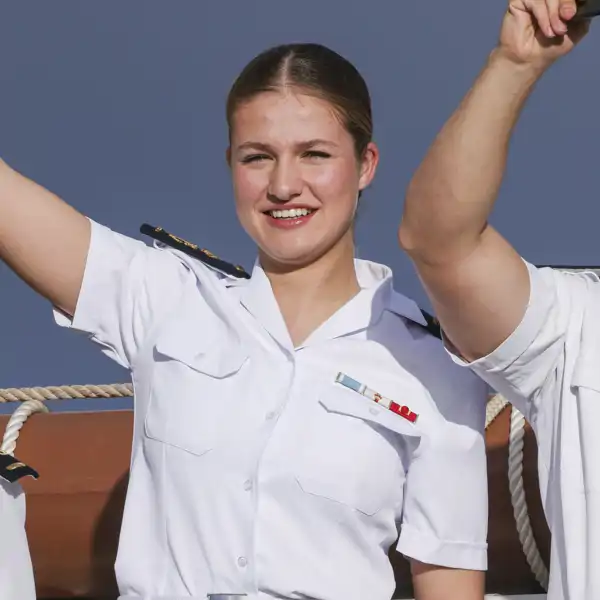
(363, 311)
(374, 276)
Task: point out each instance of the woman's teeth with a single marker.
(292, 213)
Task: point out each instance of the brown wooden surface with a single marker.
(74, 509)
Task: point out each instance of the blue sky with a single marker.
(119, 108)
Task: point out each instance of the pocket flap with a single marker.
(203, 341)
(343, 401)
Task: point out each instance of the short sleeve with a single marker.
(522, 367)
(16, 571)
(445, 515)
(127, 289)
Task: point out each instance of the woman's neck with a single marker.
(310, 295)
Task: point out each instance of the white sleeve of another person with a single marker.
(16, 572)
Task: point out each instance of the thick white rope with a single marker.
(518, 500)
(66, 392)
(16, 421)
(33, 401)
(494, 407)
(496, 404)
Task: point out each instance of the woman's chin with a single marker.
(282, 260)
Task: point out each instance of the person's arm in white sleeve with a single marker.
(523, 367)
(127, 289)
(445, 516)
(107, 285)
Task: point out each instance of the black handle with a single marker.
(587, 9)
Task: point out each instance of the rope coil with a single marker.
(16, 421)
(32, 400)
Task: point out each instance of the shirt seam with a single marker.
(417, 532)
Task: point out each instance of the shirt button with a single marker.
(242, 561)
(271, 415)
(247, 485)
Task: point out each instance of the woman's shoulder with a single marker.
(165, 240)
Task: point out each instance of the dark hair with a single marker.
(313, 69)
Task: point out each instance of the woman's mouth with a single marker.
(290, 217)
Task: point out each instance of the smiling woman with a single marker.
(301, 151)
(290, 425)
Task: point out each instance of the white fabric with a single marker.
(16, 572)
(549, 368)
(252, 470)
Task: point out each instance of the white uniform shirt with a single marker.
(549, 368)
(16, 572)
(252, 470)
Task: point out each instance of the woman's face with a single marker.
(296, 176)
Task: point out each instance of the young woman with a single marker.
(290, 424)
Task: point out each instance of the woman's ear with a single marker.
(368, 165)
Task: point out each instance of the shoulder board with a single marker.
(158, 233)
(12, 469)
(433, 325)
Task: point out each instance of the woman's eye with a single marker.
(254, 158)
(316, 154)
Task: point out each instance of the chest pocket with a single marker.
(195, 381)
(356, 453)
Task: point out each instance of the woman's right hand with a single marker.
(535, 33)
